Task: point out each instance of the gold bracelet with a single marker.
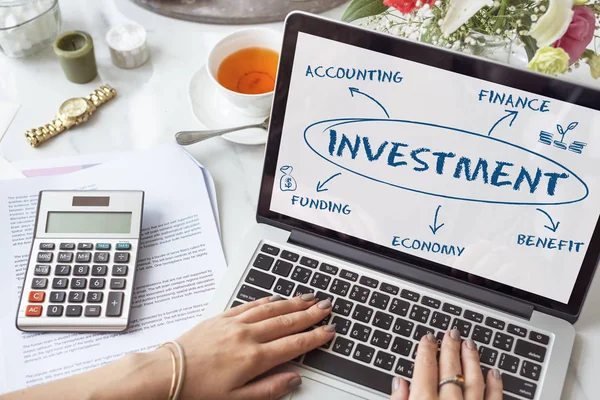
(174, 378)
(181, 375)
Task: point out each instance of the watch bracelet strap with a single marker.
(37, 136)
(101, 95)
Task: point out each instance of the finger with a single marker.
(399, 389)
(474, 384)
(425, 376)
(272, 387)
(450, 364)
(289, 347)
(493, 390)
(232, 312)
(288, 324)
(276, 308)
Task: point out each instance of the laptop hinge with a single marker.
(412, 273)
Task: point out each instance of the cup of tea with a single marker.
(243, 66)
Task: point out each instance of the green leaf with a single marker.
(358, 9)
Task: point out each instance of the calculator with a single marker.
(81, 269)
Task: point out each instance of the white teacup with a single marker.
(254, 105)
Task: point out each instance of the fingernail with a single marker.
(294, 383)
(308, 297)
(455, 334)
(396, 383)
(330, 328)
(496, 373)
(471, 344)
(275, 298)
(324, 305)
(431, 338)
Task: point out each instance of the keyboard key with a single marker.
(539, 337)
(410, 295)
(41, 270)
(85, 246)
(330, 269)
(101, 258)
(114, 304)
(362, 313)
(370, 282)
(381, 339)
(55, 311)
(433, 303)
(97, 283)
(263, 261)
(300, 290)
(388, 288)
(320, 281)
(518, 386)
(503, 341)
(282, 268)
(508, 363)
(83, 257)
(419, 313)
(301, 274)
(121, 270)
(343, 346)
(236, 303)
(37, 297)
(379, 300)
(401, 346)
(351, 276)
(473, 316)
(452, 309)
(360, 332)
(463, 327)
(123, 246)
(488, 356)
(73, 311)
(46, 246)
(81, 270)
(60, 283)
(92, 311)
(288, 255)
(102, 246)
(260, 279)
(64, 257)
(482, 334)
(269, 249)
(57, 297)
(62, 270)
(76, 297)
(405, 368)
(421, 331)
(340, 287)
(484, 372)
(531, 370)
(99, 270)
(39, 283)
(324, 296)
(516, 330)
(309, 262)
(284, 287)
(342, 325)
(343, 307)
(67, 246)
(494, 323)
(384, 360)
(359, 293)
(530, 350)
(94, 297)
(118, 284)
(324, 321)
(349, 370)
(383, 320)
(78, 283)
(440, 320)
(44, 257)
(363, 353)
(121, 257)
(33, 311)
(399, 307)
(403, 327)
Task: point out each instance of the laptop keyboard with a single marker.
(379, 324)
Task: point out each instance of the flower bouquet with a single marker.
(556, 34)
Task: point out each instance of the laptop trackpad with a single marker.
(311, 389)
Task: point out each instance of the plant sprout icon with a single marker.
(575, 147)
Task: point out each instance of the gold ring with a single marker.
(457, 379)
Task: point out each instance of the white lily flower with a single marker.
(553, 24)
(459, 12)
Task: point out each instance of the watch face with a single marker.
(74, 108)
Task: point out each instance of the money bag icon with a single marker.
(287, 183)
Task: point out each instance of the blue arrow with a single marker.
(320, 185)
(554, 226)
(355, 90)
(435, 226)
(509, 113)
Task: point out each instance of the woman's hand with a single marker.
(456, 357)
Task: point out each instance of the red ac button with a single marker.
(33, 311)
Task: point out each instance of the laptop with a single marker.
(422, 190)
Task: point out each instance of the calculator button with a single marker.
(33, 311)
(102, 246)
(97, 283)
(74, 311)
(121, 257)
(60, 283)
(101, 257)
(99, 270)
(62, 270)
(123, 246)
(37, 297)
(41, 270)
(78, 283)
(81, 270)
(94, 297)
(76, 297)
(117, 284)
(67, 246)
(65, 257)
(57, 297)
(92, 311)
(85, 246)
(83, 257)
(44, 257)
(55, 311)
(119, 270)
(114, 304)
(46, 246)
(39, 283)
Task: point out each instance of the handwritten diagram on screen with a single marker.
(485, 178)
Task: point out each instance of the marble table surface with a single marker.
(153, 104)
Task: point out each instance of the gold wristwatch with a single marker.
(72, 112)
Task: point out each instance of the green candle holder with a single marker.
(75, 51)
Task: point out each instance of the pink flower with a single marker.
(579, 34)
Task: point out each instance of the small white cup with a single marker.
(254, 105)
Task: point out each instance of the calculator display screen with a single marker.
(88, 222)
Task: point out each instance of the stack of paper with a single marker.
(180, 263)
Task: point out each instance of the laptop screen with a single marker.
(470, 174)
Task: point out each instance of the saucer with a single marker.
(215, 112)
